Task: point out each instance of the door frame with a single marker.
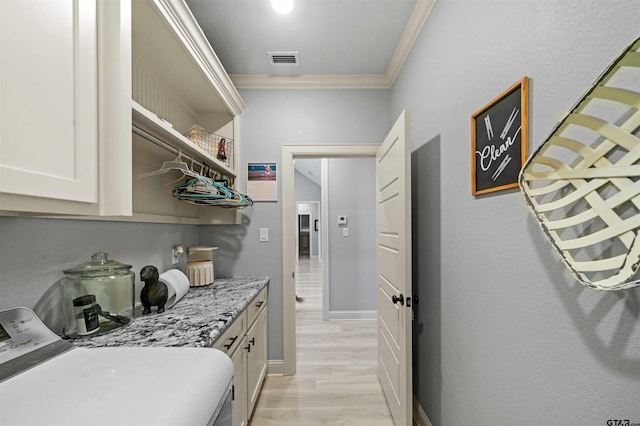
(289, 153)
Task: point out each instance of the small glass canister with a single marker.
(97, 296)
(86, 315)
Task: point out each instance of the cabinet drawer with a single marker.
(231, 338)
(256, 305)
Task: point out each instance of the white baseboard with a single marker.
(275, 367)
(419, 416)
(352, 315)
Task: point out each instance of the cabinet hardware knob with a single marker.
(260, 303)
(253, 341)
(248, 348)
(233, 340)
(395, 299)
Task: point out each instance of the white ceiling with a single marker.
(341, 43)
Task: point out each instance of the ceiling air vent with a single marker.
(284, 58)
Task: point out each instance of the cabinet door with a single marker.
(257, 359)
(49, 105)
(239, 403)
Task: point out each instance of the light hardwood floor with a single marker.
(336, 381)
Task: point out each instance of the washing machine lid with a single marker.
(26, 342)
(119, 386)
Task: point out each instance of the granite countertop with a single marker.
(197, 320)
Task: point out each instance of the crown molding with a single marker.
(316, 81)
(416, 21)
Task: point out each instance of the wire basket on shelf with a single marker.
(220, 147)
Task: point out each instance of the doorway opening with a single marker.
(304, 236)
(308, 237)
(289, 220)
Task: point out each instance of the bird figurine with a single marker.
(154, 292)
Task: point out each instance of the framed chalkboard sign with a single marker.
(500, 140)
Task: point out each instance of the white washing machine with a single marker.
(45, 380)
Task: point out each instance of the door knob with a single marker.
(395, 299)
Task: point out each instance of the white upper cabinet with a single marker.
(60, 107)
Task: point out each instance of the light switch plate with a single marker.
(345, 232)
(342, 220)
(264, 234)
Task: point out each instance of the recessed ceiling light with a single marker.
(282, 6)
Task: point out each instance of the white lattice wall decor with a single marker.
(583, 183)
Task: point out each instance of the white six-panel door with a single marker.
(393, 271)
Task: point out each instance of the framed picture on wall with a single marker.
(500, 140)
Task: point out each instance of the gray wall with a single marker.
(352, 259)
(34, 252)
(503, 334)
(305, 189)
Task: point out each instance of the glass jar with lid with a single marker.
(97, 296)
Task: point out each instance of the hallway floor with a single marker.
(336, 381)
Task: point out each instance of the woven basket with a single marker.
(583, 183)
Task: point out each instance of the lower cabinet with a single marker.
(245, 341)
(239, 403)
(257, 359)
